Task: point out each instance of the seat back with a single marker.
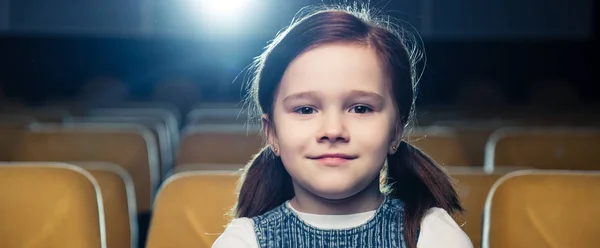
(118, 195)
(158, 128)
(543, 208)
(228, 144)
(473, 135)
(197, 203)
(127, 145)
(207, 166)
(50, 205)
(166, 116)
(545, 148)
(441, 144)
(473, 185)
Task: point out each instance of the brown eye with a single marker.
(305, 110)
(361, 109)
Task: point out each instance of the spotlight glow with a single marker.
(222, 10)
(225, 6)
(223, 18)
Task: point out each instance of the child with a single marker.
(336, 91)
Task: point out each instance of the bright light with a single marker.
(221, 10)
(223, 18)
(226, 6)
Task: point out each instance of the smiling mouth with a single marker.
(334, 159)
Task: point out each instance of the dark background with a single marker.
(49, 49)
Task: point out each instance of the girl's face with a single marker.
(334, 120)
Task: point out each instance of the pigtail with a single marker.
(264, 185)
(421, 184)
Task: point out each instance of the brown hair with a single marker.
(410, 175)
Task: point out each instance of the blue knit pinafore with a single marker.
(282, 228)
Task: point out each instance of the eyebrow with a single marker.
(352, 94)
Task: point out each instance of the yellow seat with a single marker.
(441, 144)
(191, 209)
(157, 127)
(118, 196)
(207, 166)
(47, 205)
(164, 115)
(543, 209)
(127, 145)
(473, 185)
(544, 148)
(228, 144)
(474, 134)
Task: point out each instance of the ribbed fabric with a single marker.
(281, 228)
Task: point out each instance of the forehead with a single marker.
(335, 68)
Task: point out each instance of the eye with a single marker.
(361, 109)
(305, 110)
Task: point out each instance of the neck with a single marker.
(368, 199)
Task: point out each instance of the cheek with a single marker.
(295, 140)
(293, 136)
(372, 136)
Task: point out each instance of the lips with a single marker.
(334, 159)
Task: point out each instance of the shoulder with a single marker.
(238, 233)
(438, 229)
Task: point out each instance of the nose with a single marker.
(333, 130)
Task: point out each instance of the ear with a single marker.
(269, 129)
(396, 138)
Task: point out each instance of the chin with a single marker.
(335, 190)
